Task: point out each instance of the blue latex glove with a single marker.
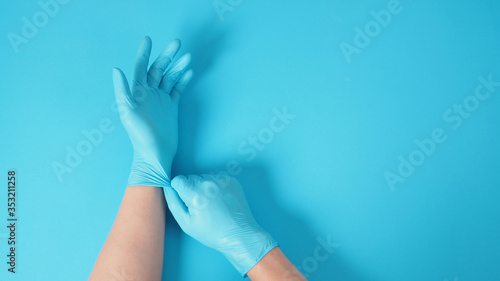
(149, 111)
(214, 211)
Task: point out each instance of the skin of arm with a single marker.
(275, 266)
(148, 110)
(134, 247)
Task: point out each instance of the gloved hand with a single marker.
(149, 111)
(214, 211)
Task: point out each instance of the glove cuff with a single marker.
(149, 174)
(253, 251)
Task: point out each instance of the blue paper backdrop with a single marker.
(374, 86)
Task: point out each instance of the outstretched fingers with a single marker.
(142, 61)
(174, 73)
(181, 85)
(158, 67)
(173, 81)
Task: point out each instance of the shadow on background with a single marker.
(296, 238)
(295, 235)
(205, 44)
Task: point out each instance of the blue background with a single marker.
(321, 177)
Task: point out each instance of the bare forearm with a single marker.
(273, 267)
(134, 247)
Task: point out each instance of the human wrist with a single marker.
(275, 266)
(246, 251)
(149, 172)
